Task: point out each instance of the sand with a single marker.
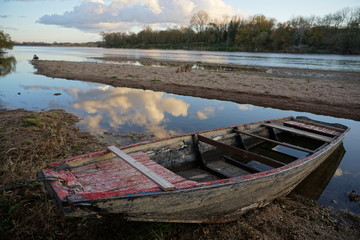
(332, 93)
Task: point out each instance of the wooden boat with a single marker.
(208, 176)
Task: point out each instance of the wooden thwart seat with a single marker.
(274, 141)
(299, 132)
(164, 184)
(241, 152)
(204, 164)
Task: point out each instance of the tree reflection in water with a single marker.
(7, 65)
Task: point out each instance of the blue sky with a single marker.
(83, 20)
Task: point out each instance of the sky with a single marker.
(82, 20)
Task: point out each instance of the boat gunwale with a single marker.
(130, 193)
(105, 151)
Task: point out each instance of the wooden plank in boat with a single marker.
(241, 152)
(227, 168)
(277, 142)
(341, 130)
(299, 132)
(164, 184)
(198, 153)
(313, 127)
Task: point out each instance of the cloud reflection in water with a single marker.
(116, 107)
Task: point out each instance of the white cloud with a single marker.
(122, 15)
(245, 107)
(339, 172)
(205, 113)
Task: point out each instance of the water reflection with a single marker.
(7, 65)
(205, 113)
(109, 109)
(313, 186)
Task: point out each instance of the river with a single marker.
(117, 111)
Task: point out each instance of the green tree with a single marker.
(254, 34)
(5, 41)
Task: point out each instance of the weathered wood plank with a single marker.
(313, 127)
(239, 140)
(164, 184)
(117, 174)
(241, 152)
(276, 142)
(299, 132)
(341, 130)
(198, 153)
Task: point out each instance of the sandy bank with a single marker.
(333, 93)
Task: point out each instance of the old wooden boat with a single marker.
(207, 176)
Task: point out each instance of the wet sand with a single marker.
(332, 93)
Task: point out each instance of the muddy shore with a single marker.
(332, 93)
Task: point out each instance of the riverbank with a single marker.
(333, 93)
(30, 140)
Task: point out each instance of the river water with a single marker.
(103, 108)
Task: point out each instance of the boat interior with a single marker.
(268, 146)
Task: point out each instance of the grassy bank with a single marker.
(31, 140)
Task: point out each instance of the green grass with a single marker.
(155, 80)
(32, 122)
(132, 76)
(134, 138)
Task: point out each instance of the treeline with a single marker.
(5, 41)
(59, 44)
(334, 33)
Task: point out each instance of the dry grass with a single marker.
(28, 142)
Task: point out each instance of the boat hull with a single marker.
(218, 201)
(221, 203)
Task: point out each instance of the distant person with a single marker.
(35, 57)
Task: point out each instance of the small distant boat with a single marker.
(203, 177)
(35, 57)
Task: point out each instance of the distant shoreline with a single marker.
(173, 47)
(332, 93)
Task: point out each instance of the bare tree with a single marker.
(199, 21)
